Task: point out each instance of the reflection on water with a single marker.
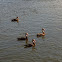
(33, 16)
(26, 41)
(50, 59)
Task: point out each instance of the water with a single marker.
(33, 16)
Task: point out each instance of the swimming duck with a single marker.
(31, 45)
(23, 38)
(16, 19)
(41, 34)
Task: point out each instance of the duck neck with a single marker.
(26, 37)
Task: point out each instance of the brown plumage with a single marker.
(41, 34)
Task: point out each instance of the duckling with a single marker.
(31, 45)
(41, 34)
(23, 38)
(16, 19)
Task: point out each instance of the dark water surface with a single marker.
(33, 16)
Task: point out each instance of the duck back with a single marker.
(28, 45)
(22, 38)
(13, 20)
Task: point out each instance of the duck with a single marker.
(32, 44)
(41, 34)
(16, 19)
(23, 38)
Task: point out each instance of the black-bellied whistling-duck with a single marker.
(41, 34)
(16, 19)
(31, 45)
(23, 38)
